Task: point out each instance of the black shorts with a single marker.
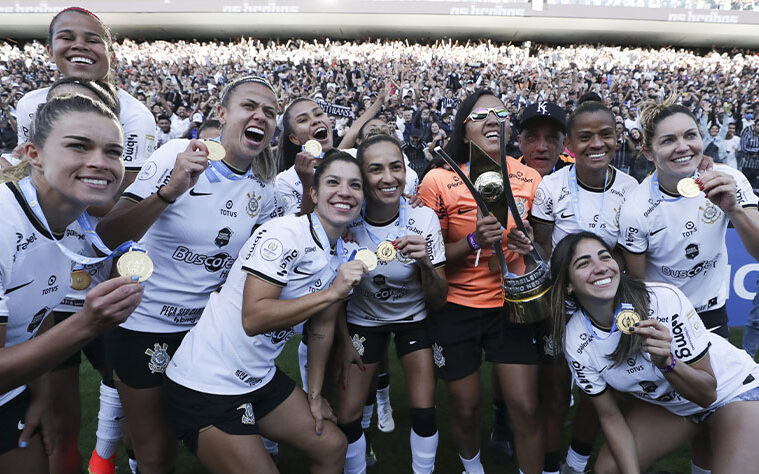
(12, 421)
(94, 350)
(460, 334)
(371, 341)
(139, 359)
(716, 318)
(190, 412)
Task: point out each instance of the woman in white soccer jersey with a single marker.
(82, 48)
(680, 374)
(585, 196)
(72, 161)
(192, 214)
(681, 240)
(393, 299)
(224, 390)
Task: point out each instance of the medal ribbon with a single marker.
(30, 194)
(324, 241)
(219, 168)
(574, 192)
(402, 224)
(656, 191)
(614, 328)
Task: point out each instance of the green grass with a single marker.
(392, 449)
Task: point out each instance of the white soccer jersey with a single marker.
(137, 121)
(392, 292)
(217, 356)
(194, 242)
(34, 274)
(684, 240)
(593, 371)
(553, 205)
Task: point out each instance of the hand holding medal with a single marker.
(216, 151)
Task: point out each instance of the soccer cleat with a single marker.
(99, 465)
(385, 421)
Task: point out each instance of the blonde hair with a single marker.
(651, 113)
(15, 173)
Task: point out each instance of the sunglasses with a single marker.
(481, 114)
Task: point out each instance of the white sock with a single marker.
(133, 465)
(366, 420)
(698, 470)
(576, 461)
(423, 451)
(355, 457)
(110, 422)
(272, 447)
(383, 395)
(473, 466)
(303, 364)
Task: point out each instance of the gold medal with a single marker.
(313, 147)
(368, 257)
(216, 150)
(386, 251)
(627, 319)
(134, 263)
(80, 280)
(687, 187)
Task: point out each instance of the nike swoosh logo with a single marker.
(297, 270)
(464, 211)
(657, 231)
(11, 290)
(411, 343)
(195, 193)
(567, 216)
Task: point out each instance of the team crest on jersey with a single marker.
(616, 211)
(709, 213)
(539, 198)
(159, 358)
(253, 208)
(521, 206)
(222, 238)
(271, 250)
(358, 344)
(437, 355)
(248, 418)
(148, 171)
(403, 258)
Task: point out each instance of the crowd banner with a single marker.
(744, 271)
(333, 109)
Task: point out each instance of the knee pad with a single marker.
(352, 430)
(423, 421)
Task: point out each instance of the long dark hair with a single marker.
(286, 150)
(564, 304)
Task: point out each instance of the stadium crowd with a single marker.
(321, 147)
(180, 83)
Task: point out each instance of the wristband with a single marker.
(669, 368)
(167, 201)
(472, 242)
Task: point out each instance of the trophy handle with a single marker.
(510, 202)
(480, 203)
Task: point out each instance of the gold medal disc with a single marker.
(368, 257)
(313, 147)
(687, 187)
(80, 280)
(135, 263)
(216, 151)
(386, 251)
(627, 319)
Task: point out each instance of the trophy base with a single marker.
(527, 297)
